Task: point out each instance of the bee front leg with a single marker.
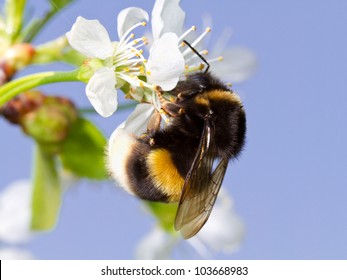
(167, 107)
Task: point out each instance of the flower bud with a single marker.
(15, 58)
(45, 118)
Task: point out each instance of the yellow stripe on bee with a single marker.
(201, 100)
(223, 95)
(165, 174)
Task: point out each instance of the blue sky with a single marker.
(289, 186)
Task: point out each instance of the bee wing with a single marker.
(200, 189)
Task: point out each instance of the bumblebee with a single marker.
(185, 161)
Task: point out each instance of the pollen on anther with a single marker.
(201, 66)
(208, 29)
(205, 52)
(220, 58)
(149, 73)
(144, 23)
(186, 66)
(132, 35)
(183, 44)
(194, 28)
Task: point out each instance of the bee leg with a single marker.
(168, 108)
(172, 109)
(154, 123)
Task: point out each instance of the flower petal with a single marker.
(157, 245)
(167, 16)
(138, 120)
(128, 18)
(224, 230)
(15, 254)
(90, 38)
(165, 62)
(237, 66)
(15, 212)
(102, 93)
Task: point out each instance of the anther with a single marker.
(144, 23)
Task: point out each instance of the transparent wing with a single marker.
(201, 188)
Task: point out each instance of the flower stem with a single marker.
(15, 87)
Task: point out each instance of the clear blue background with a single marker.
(290, 186)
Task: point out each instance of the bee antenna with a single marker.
(198, 54)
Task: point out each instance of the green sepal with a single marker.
(83, 151)
(47, 192)
(165, 214)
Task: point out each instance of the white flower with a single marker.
(15, 254)
(166, 67)
(123, 61)
(15, 212)
(236, 64)
(157, 245)
(167, 16)
(223, 233)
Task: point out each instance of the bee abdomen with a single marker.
(164, 174)
(143, 171)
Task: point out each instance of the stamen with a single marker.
(220, 58)
(193, 28)
(131, 29)
(207, 30)
(193, 57)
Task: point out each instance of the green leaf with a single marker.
(165, 214)
(83, 151)
(47, 193)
